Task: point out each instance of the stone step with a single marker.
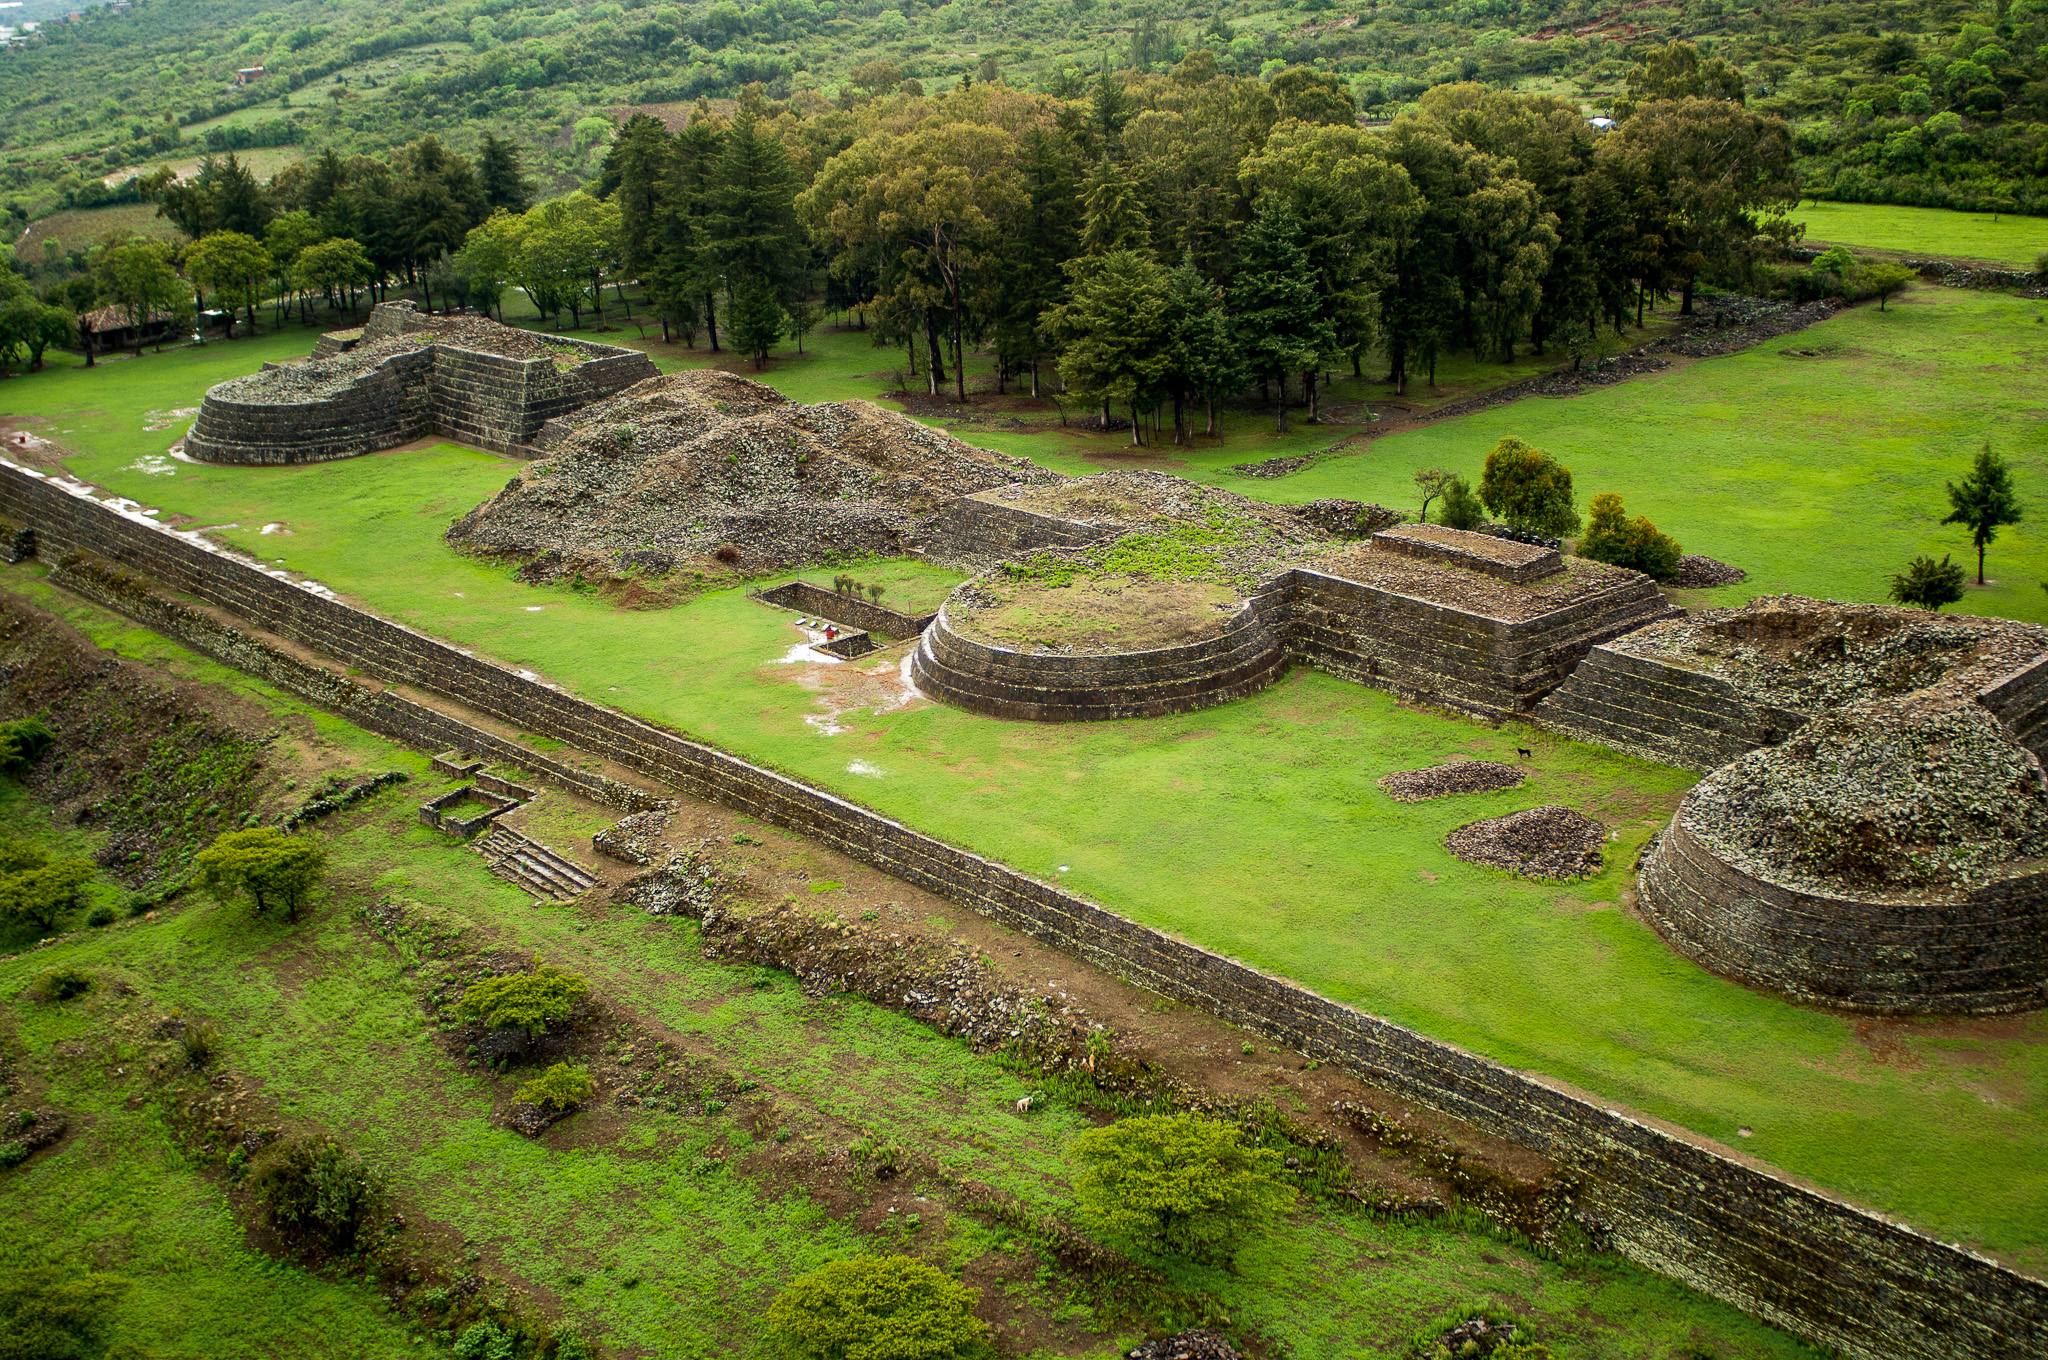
(533, 866)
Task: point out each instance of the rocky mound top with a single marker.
(1541, 842)
(316, 379)
(1446, 781)
(699, 466)
(1921, 791)
(1804, 654)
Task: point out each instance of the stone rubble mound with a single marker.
(316, 379)
(1445, 781)
(1550, 842)
(1197, 1343)
(1920, 791)
(1474, 1337)
(1699, 572)
(674, 469)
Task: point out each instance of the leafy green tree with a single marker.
(1885, 281)
(1181, 1184)
(337, 267)
(1611, 536)
(1432, 483)
(1984, 503)
(1528, 489)
(136, 276)
(878, 1308)
(264, 865)
(234, 266)
(49, 1315)
(1677, 71)
(38, 894)
(1278, 317)
(31, 327)
(287, 237)
(530, 1001)
(1114, 332)
(1928, 584)
(1313, 96)
(485, 264)
(1462, 509)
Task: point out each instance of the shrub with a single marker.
(1882, 281)
(12, 1155)
(561, 1087)
(1178, 1183)
(40, 895)
(2041, 266)
(21, 741)
(1929, 584)
(317, 1187)
(263, 864)
(485, 1340)
(1529, 489)
(1636, 543)
(200, 1042)
(61, 984)
(1461, 508)
(17, 855)
(43, 1314)
(532, 1001)
(102, 915)
(877, 1308)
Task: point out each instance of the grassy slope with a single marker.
(1256, 828)
(2016, 242)
(323, 1022)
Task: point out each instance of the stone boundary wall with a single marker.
(1659, 711)
(1984, 952)
(847, 609)
(1837, 1275)
(1421, 650)
(2020, 701)
(971, 527)
(1003, 682)
(385, 407)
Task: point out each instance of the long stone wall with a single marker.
(844, 607)
(1982, 952)
(1003, 682)
(1838, 1275)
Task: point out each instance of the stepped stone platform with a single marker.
(1509, 560)
(403, 377)
(525, 861)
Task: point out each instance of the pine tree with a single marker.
(755, 319)
(751, 231)
(1113, 218)
(504, 185)
(1027, 275)
(1207, 361)
(1280, 327)
(1984, 503)
(1113, 332)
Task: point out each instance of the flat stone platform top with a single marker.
(1500, 557)
(1462, 587)
(1092, 616)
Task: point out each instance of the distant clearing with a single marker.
(2009, 240)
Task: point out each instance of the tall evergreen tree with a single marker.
(1026, 274)
(1113, 217)
(1279, 322)
(505, 185)
(1206, 360)
(1113, 332)
(751, 231)
(1985, 502)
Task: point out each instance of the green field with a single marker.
(1256, 828)
(660, 1233)
(2005, 239)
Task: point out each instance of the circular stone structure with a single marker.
(1244, 654)
(1891, 858)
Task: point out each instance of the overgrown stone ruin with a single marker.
(707, 470)
(404, 376)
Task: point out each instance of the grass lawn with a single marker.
(1257, 828)
(2007, 239)
(78, 228)
(662, 1233)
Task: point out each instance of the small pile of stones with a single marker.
(1474, 1337)
(1548, 842)
(1444, 781)
(1197, 1343)
(1699, 572)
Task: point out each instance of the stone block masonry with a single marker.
(846, 608)
(445, 388)
(1835, 1274)
(980, 526)
(1510, 561)
(1658, 710)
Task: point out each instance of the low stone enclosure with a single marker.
(409, 376)
(1837, 1275)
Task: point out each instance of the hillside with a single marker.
(1939, 105)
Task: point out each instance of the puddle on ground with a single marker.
(163, 420)
(153, 465)
(878, 683)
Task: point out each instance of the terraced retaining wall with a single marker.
(1983, 952)
(1659, 711)
(1840, 1276)
(972, 527)
(487, 400)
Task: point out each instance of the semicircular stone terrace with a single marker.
(406, 376)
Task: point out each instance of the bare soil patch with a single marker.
(1100, 615)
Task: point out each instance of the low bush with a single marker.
(21, 741)
(61, 984)
(13, 1155)
(561, 1087)
(1612, 537)
(1928, 584)
(101, 915)
(531, 1001)
(878, 1308)
(316, 1187)
(48, 1316)
(1462, 509)
(1180, 1184)
(200, 1043)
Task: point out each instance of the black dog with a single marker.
(1525, 753)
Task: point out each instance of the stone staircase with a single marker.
(533, 866)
